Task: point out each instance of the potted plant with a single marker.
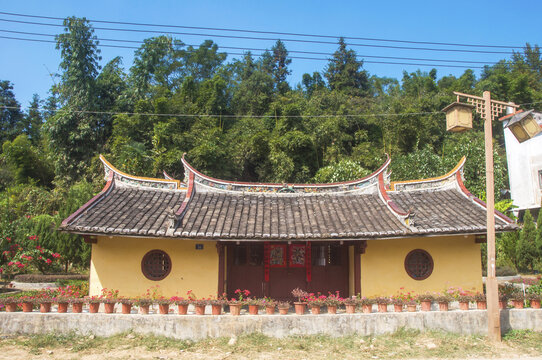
(109, 299)
(126, 305)
(27, 303)
(398, 304)
(350, 303)
(480, 299)
(143, 303)
(534, 300)
(216, 305)
(62, 303)
(503, 301)
(443, 301)
(301, 302)
(366, 305)
(237, 304)
(464, 300)
(253, 305)
(93, 304)
(382, 304)
(77, 304)
(44, 301)
(411, 305)
(316, 302)
(269, 305)
(10, 303)
(182, 304)
(332, 302)
(283, 307)
(425, 301)
(518, 300)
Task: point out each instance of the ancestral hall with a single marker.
(212, 236)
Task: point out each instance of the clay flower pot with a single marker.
(11, 307)
(253, 309)
(411, 307)
(62, 307)
(300, 308)
(503, 304)
(45, 307)
(425, 305)
(535, 304)
(397, 308)
(27, 306)
(518, 304)
(481, 305)
(163, 309)
(109, 308)
(182, 309)
(126, 308)
(93, 308)
(382, 308)
(365, 308)
(332, 309)
(200, 309)
(235, 309)
(463, 305)
(77, 307)
(144, 309)
(283, 311)
(443, 306)
(270, 310)
(216, 309)
(315, 310)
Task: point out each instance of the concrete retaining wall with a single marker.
(193, 327)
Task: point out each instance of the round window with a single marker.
(156, 265)
(419, 264)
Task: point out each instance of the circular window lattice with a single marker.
(156, 265)
(419, 264)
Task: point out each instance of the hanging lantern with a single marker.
(458, 116)
(524, 126)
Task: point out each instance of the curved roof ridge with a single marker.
(479, 202)
(371, 179)
(395, 209)
(429, 183)
(109, 185)
(139, 180)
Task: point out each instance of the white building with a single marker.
(524, 166)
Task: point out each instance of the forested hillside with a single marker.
(238, 119)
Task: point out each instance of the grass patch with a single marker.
(402, 344)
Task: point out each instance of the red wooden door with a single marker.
(245, 269)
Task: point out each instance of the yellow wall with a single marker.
(116, 264)
(456, 261)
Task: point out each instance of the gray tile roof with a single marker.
(218, 209)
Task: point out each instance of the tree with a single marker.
(279, 67)
(34, 120)
(27, 162)
(526, 249)
(344, 170)
(10, 113)
(344, 72)
(74, 134)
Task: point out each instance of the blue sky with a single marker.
(28, 65)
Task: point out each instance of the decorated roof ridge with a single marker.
(429, 183)
(169, 177)
(123, 177)
(395, 209)
(200, 178)
(189, 193)
(510, 115)
(479, 202)
(92, 202)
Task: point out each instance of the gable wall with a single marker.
(116, 264)
(457, 263)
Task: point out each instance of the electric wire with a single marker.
(258, 55)
(267, 32)
(272, 39)
(260, 49)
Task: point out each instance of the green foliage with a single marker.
(10, 113)
(27, 163)
(526, 251)
(344, 170)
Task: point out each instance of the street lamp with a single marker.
(488, 109)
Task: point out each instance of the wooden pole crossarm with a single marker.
(482, 99)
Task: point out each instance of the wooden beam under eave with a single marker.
(89, 239)
(220, 248)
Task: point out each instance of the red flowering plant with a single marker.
(194, 300)
(316, 300)
(333, 299)
(242, 296)
(109, 296)
(403, 297)
(21, 257)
